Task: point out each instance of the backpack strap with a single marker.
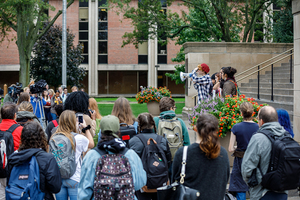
(55, 123)
(100, 151)
(268, 134)
(13, 128)
(143, 139)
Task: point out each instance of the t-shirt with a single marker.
(243, 132)
(82, 144)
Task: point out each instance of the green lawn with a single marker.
(105, 109)
(109, 99)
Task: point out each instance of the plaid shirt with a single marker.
(202, 85)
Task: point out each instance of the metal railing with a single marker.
(290, 54)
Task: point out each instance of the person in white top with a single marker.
(68, 124)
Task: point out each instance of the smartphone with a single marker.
(80, 118)
(91, 111)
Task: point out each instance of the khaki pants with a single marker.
(2, 188)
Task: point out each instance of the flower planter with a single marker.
(225, 143)
(153, 108)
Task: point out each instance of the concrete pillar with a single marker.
(93, 48)
(296, 121)
(151, 62)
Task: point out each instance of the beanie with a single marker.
(205, 67)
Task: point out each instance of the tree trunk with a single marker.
(24, 69)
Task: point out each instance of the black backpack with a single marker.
(127, 132)
(6, 149)
(154, 162)
(284, 167)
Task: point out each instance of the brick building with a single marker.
(111, 69)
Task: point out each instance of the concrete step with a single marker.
(286, 105)
(268, 85)
(267, 96)
(269, 80)
(285, 71)
(267, 90)
(282, 75)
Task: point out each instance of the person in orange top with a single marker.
(9, 115)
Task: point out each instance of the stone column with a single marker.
(93, 48)
(296, 120)
(151, 62)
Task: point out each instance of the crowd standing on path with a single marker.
(82, 155)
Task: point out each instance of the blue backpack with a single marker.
(24, 182)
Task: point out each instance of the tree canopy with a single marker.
(46, 62)
(26, 17)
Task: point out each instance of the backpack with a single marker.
(154, 162)
(6, 149)
(127, 132)
(61, 149)
(113, 180)
(54, 129)
(284, 167)
(24, 182)
(171, 129)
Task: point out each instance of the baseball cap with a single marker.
(110, 123)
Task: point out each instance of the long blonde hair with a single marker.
(122, 110)
(67, 124)
(94, 106)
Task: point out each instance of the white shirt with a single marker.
(82, 144)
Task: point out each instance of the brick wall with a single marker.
(116, 29)
(9, 50)
(72, 16)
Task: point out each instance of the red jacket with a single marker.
(6, 124)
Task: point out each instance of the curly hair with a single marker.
(145, 121)
(122, 110)
(207, 127)
(230, 71)
(284, 120)
(78, 102)
(33, 136)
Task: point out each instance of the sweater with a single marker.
(209, 176)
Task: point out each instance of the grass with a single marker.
(109, 99)
(105, 109)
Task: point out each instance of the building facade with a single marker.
(112, 70)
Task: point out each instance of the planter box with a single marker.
(225, 143)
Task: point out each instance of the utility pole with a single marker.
(64, 44)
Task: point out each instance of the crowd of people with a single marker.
(79, 154)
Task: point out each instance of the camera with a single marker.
(15, 90)
(38, 87)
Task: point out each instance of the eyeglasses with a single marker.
(174, 107)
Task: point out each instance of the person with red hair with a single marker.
(202, 81)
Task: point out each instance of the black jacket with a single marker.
(49, 128)
(50, 179)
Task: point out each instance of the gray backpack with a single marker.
(61, 149)
(171, 130)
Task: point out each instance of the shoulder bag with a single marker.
(177, 191)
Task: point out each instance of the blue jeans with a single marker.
(54, 117)
(274, 196)
(69, 188)
(241, 195)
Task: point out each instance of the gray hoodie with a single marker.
(259, 150)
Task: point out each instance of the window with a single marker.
(143, 53)
(102, 32)
(84, 30)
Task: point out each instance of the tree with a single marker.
(283, 23)
(46, 62)
(26, 17)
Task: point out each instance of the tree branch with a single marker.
(53, 20)
(8, 22)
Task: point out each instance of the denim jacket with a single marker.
(87, 176)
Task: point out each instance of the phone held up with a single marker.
(80, 118)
